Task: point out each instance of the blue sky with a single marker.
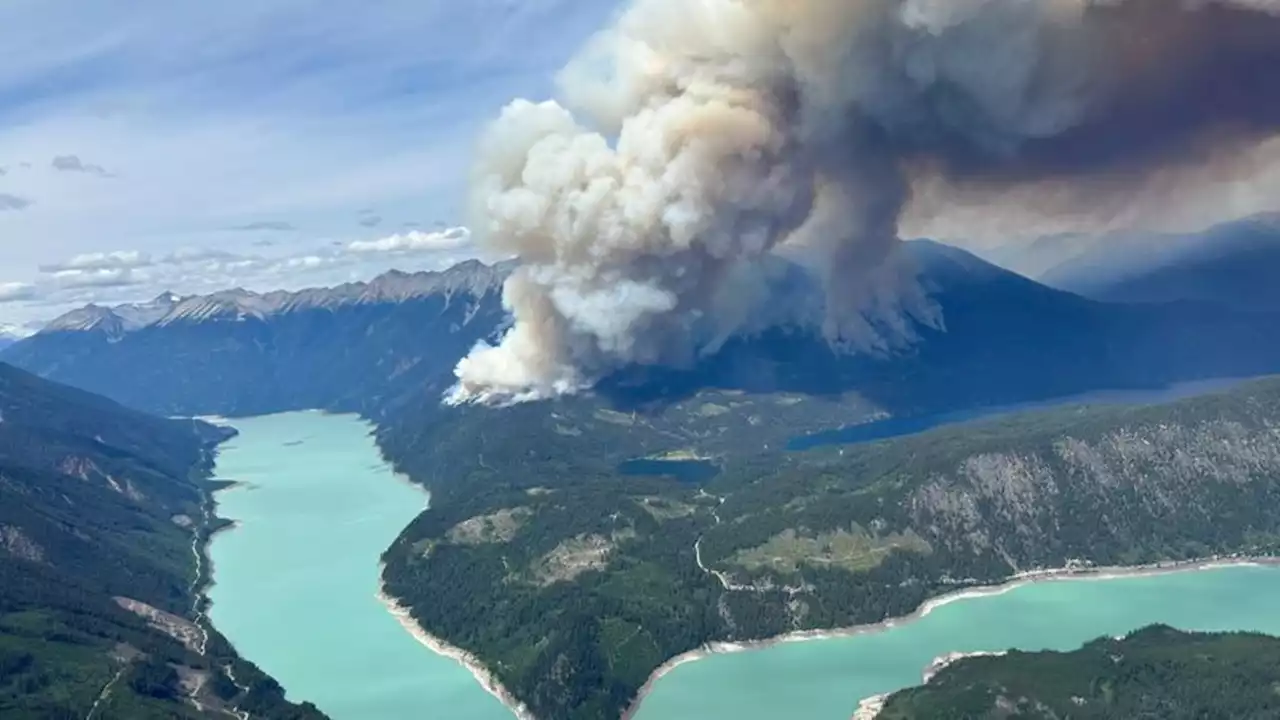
(150, 144)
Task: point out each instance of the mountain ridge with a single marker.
(372, 347)
(237, 304)
(1235, 263)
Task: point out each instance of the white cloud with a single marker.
(97, 278)
(133, 275)
(120, 259)
(415, 241)
(261, 115)
(15, 291)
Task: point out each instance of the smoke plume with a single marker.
(696, 138)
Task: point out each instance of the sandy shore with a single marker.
(1013, 583)
(440, 647)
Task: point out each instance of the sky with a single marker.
(152, 145)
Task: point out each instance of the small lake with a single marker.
(825, 679)
(894, 427)
(295, 582)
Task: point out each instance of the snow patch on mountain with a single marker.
(238, 305)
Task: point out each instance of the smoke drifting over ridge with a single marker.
(697, 137)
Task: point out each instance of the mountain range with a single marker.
(1236, 264)
(378, 346)
(551, 474)
(356, 347)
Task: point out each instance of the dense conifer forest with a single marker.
(1156, 672)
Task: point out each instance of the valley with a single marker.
(470, 360)
(566, 552)
(100, 605)
(297, 579)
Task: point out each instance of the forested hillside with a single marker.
(1156, 672)
(101, 511)
(574, 582)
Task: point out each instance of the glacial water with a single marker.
(825, 679)
(295, 582)
(295, 587)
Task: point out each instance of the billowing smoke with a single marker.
(696, 138)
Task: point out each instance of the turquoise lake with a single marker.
(825, 679)
(295, 588)
(295, 582)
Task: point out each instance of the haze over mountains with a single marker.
(387, 349)
(370, 346)
(1236, 264)
(10, 334)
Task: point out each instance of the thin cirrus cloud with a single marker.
(96, 278)
(414, 242)
(16, 291)
(238, 114)
(131, 275)
(118, 260)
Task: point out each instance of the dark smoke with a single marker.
(705, 135)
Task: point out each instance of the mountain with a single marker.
(1154, 672)
(10, 334)
(575, 545)
(355, 347)
(1007, 340)
(101, 509)
(113, 322)
(1235, 264)
(538, 513)
(375, 347)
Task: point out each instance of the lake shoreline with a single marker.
(1010, 584)
(466, 659)
(212, 527)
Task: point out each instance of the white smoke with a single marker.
(696, 137)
